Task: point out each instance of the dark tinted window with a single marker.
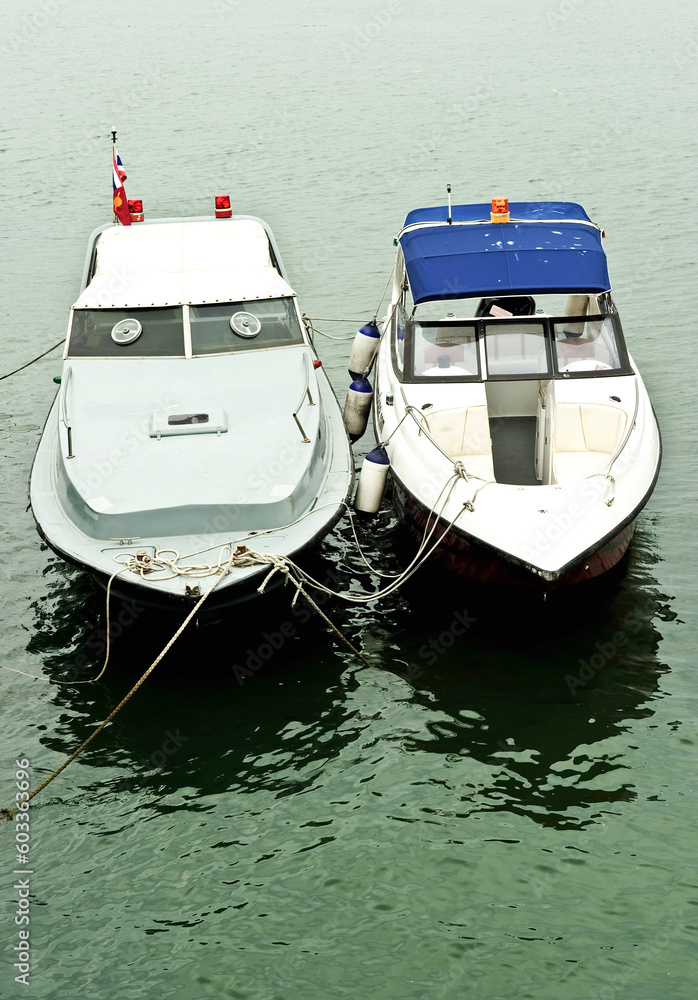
(244, 326)
(162, 333)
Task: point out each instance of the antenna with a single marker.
(449, 220)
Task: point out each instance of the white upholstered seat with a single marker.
(464, 434)
(585, 438)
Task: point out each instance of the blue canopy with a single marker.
(549, 247)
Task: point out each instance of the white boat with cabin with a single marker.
(193, 416)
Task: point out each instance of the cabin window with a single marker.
(587, 344)
(127, 333)
(227, 327)
(516, 349)
(443, 350)
(399, 325)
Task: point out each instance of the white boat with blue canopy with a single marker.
(193, 419)
(510, 409)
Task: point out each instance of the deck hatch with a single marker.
(192, 422)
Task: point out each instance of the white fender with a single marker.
(374, 475)
(364, 350)
(357, 407)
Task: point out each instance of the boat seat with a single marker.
(586, 436)
(463, 432)
(580, 354)
(432, 352)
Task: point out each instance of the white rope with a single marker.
(313, 330)
(9, 813)
(387, 284)
(14, 670)
(323, 319)
(144, 565)
(288, 567)
(223, 545)
(408, 412)
(373, 569)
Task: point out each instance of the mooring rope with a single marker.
(90, 680)
(387, 285)
(9, 813)
(240, 557)
(313, 330)
(287, 565)
(93, 680)
(21, 369)
(323, 319)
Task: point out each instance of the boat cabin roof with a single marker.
(165, 263)
(545, 247)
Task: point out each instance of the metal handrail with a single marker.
(306, 392)
(628, 432)
(64, 411)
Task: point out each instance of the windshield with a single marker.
(514, 349)
(105, 333)
(533, 347)
(444, 350)
(589, 345)
(244, 326)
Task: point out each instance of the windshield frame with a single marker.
(608, 322)
(109, 318)
(181, 318)
(290, 330)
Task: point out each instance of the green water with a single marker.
(503, 806)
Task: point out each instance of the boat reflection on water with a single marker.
(537, 692)
(518, 707)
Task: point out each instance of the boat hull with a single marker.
(57, 529)
(469, 558)
(229, 593)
